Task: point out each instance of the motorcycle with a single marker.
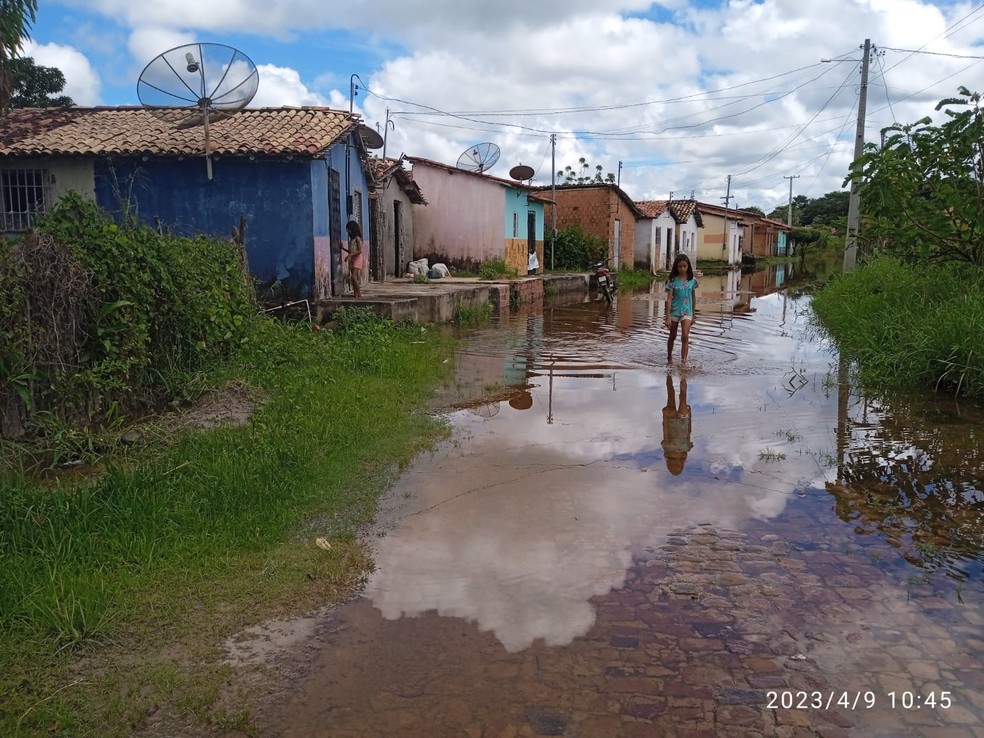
(607, 284)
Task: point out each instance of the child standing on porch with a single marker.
(356, 256)
(681, 297)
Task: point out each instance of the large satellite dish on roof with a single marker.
(208, 81)
(478, 158)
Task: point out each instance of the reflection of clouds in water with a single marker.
(541, 534)
(524, 520)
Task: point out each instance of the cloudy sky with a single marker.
(672, 96)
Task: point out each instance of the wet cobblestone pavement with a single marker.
(710, 636)
(809, 565)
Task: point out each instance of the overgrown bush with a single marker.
(909, 326)
(496, 269)
(576, 250)
(101, 319)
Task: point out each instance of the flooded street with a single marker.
(585, 557)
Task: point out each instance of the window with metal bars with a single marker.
(26, 194)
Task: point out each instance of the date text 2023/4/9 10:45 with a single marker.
(859, 700)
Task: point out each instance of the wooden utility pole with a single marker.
(854, 206)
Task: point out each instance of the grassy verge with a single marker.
(909, 326)
(116, 590)
(634, 279)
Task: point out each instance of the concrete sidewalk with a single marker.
(439, 300)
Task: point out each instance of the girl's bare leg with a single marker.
(356, 282)
(685, 342)
(669, 342)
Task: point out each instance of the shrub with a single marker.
(576, 250)
(102, 318)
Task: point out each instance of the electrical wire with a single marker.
(881, 65)
(782, 147)
(950, 30)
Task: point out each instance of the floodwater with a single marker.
(618, 546)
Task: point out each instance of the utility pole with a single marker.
(727, 201)
(854, 207)
(386, 129)
(789, 213)
(553, 195)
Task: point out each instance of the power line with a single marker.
(946, 32)
(930, 53)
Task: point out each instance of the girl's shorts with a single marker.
(678, 318)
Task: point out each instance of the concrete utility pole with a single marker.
(553, 195)
(727, 202)
(386, 129)
(854, 207)
(789, 213)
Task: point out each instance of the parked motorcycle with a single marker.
(607, 284)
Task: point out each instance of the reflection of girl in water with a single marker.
(676, 427)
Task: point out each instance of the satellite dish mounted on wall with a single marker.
(521, 172)
(478, 158)
(210, 81)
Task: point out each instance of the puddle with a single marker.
(583, 558)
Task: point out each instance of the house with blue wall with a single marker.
(293, 176)
(473, 217)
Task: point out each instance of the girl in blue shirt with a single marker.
(681, 296)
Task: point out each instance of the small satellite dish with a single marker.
(521, 172)
(370, 138)
(210, 81)
(478, 158)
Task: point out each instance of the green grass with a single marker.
(909, 327)
(472, 315)
(634, 279)
(115, 589)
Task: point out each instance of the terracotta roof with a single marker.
(308, 131)
(651, 208)
(382, 169)
(721, 212)
(448, 167)
(681, 210)
(610, 186)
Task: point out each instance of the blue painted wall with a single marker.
(516, 203)
(286, 204)
(275, 197)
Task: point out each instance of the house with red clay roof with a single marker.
(764, 236)
(603, 210)
(294, 176)
(667, 228)
(721, 238)
(392, 199)
(473, 217)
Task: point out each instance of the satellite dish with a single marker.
(210, 81)
(370, 138)
(521, 172)
(478, 158)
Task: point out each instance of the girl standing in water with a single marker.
(681, 296)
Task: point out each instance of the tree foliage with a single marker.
(923, 191)
(16, 18)
(36, 86)
(582, 176)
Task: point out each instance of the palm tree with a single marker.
(16, 18)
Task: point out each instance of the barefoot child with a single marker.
(681, 289)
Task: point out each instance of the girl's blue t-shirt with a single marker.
(682, 290)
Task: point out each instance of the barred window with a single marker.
(515, 225)
(357, 209)
(26, 194)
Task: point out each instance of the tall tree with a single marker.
(580, 176)
(16, 19)
(923, 191)
(36, 86)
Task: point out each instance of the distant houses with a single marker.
(294, 176)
